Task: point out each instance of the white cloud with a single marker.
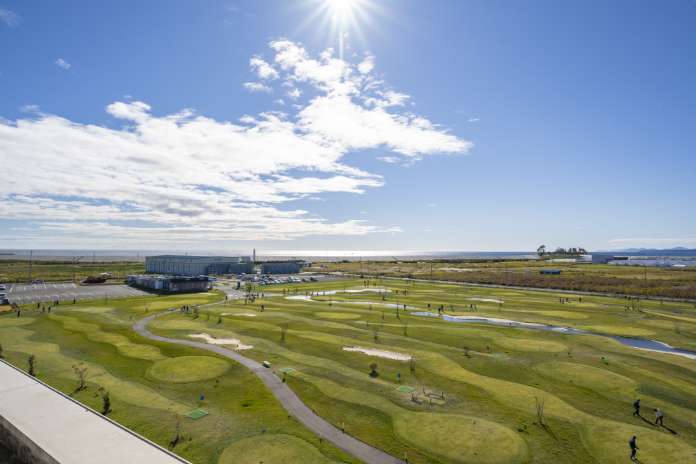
(9, 17)
(263, 69)
(60, 62)
(367, 65)
(389, 159)
(257, 87)
(473, 119)
(294, 93)
(185, 178)
(30, 109)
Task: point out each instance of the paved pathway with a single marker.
(68, 431)
(290, 401)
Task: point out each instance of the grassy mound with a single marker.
(462, 438)
(531, 345)
(186, 369)
(592, 378)
(340, 316)
(272, 449)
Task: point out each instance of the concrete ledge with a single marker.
(43, 425)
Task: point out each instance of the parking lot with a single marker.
(34, 293)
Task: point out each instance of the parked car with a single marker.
(2, 287)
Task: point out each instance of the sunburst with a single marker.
(341, 19)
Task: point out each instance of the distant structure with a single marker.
(198, 265)
(170, 284)
(550, 272)
(253, 259)
(281, 267)
(604, 258)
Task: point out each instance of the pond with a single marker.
(638, 343)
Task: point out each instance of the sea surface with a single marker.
(316, 255)
(667, 258)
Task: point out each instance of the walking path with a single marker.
(66, 430)
(290, 401)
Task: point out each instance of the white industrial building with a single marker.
(198, 265)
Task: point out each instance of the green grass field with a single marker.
(16, 270)
(470, 395)
(649, 281)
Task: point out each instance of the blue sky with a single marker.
(446, 125)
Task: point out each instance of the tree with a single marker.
(106, 402)
(283, 331)
(81, 373)
(32, 362)
(539, 403)
(373, 370)
(541, 251)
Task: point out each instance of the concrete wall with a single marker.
(24, 451)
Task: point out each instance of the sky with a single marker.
(365, 125)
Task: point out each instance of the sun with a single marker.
(340, 18)
(342, 10)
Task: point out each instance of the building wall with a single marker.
(280, 268)
(198, 265)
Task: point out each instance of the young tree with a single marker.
(106, 402)
(412, 365)
(177, 435)
(541, 419)
(541, 251)
(32, 365)
(81, 373)
(283, 331)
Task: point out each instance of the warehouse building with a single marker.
(281, 267)
(170, 284)
(198, 265)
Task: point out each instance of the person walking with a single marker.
(636, 408)
(634, 448)
(659, 417)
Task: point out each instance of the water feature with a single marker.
(638, 343)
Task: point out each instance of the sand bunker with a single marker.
(379, 353)
(299, 297)
(240, 314)
(375, 290)
(236, 343)
(486, 300)
(453, 269)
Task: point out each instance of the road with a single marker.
(290, 401)
(66, 291)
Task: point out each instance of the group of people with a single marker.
(659, 420)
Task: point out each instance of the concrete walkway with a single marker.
(290, 401)
(53, 424)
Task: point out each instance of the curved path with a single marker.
(290, 401)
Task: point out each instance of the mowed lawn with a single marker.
(420, 388)
(152, 386)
